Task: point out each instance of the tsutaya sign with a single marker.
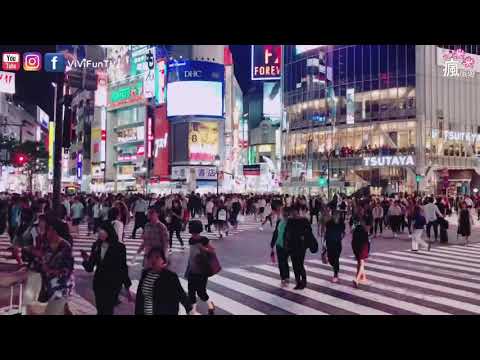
(389, 161)
(455, 135)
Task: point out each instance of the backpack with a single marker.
(222, 215)
(420, 221)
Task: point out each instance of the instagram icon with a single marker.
(32, 61)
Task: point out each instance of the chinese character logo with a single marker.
(451, 68)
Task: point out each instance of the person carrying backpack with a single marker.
(221, 219)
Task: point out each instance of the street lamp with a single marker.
(217, 164)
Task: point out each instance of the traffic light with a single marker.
(90, 80)
(75, 78)
(20, 159)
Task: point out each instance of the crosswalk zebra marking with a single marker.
(264, 296)
(441, 256)
(437, 257)
(468, 256)
(411, 282)
(433, 263)
(403, 305)
(417, 294)
(314, 295)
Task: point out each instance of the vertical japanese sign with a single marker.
(101, 92)
(149, 76)
(161, 81)
(351, 106)
(149, 137)
(79, 165)
(51, 138)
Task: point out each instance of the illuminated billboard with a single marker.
(271, 99)
(266, 62)
(304, 48)
(160, 152)
(203, 141)
(195, 88)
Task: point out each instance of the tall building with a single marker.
(381, 115)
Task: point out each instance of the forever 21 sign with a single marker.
(266, 62)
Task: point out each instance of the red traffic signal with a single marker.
(20, 159)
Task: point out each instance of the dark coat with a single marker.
(167, 294)
(112, 271)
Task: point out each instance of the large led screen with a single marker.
(200, 98)
(271, 99)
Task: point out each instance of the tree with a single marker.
(32, 157)
(7, 145)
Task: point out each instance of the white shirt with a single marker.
(377, 212)
(262, 203)
(140, 206)
(209, 207)
(431, 212)
(96, 210)
(268, 210)
(77, 210)
(469, 202)
(118, 226)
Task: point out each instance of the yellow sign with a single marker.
(51, 138)
(265, 149)
(203, 141)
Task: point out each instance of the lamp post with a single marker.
(217, 164)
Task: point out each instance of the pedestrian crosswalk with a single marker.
(399, 283)
(83, 241)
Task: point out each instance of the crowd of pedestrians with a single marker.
(42, 239)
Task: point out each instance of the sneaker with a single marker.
(414, 250)
(335, 280)
(183, 247)
(170, 250)
(260, 228)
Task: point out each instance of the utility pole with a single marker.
(57, 157)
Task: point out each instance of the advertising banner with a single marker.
(203, 141)
(251, 170)
(458, 63)
(266, 62)
(271, 100)
(195, 88)
(201, 172)
(118, 56)
(51, 139)
(101, 92)
(161, 81)
(149, 75)
(7, 82)
(126, 95)
(42, 118)
(160, 162)
(350, 106)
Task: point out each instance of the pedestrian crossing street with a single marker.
(444, 281)
(82, 241)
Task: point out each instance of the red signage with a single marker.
(160, 150)
(266, 62)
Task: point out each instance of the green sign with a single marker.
(419, 178)
(322, 182)
(125, 93)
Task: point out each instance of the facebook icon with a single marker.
(54, 62)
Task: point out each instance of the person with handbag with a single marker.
(159, 290)
(334, 233)
(360, 225)
(176, 223)
(278, 242)
(199, 267)
(299, 237)
(109, 259)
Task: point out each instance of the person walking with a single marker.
(360, 243)
(395, 217)
(377, 213)
(159, 290)
(197, 269)
(432, 213)
(298, 235)
(114, 217)
(175, 223)
(278, 242)
(209, 211)
(221, 219)
(108, 258)
(77, 214)
(97, 214)
(334, 233)
(140, 207)
(465, 222)
(155, 234)
(268, 215)
(418, 223)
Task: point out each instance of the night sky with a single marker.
(35, 88)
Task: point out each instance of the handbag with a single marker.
(213, 265)
(313, 243)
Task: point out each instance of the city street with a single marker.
(444, 281)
